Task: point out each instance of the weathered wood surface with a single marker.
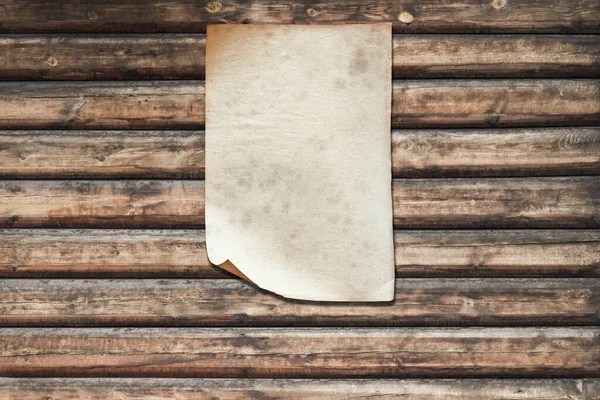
(495, 56)
(571, 16)
(571, 202)
(415, 104)
(114, 204)
(297, 389)
(182, 56)
(119, 57)
(102, 105)
(126, 154)
(493, 152)
(473, 103)
(228, 302)
(301, 353)
(70, 253)
(415, 153)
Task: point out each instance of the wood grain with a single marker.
(228, 302)
(114, 204)
(297, 389)
(415, 104)
(570, 16)
(102, 105)
(495, 152)
(495, 56)
(571, 202)
(301, 353)
(473, 103)
(182, 56)
(418, 203)
(415, 153)
(84, 57)
(72, 253)
(103, 154)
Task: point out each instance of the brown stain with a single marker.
(360, 63)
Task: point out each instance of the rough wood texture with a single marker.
(495, 56)
(114, 204)
(301, 353)
(102, 105)
(497, 253)
(572, 202)
(472, 103)
(415, 104)
(572, 16)
(169, 56)
(298, 389)
(415, 153)
(494, 152)
(418, 302)
(418, 203)
(26, 253)
(77, 57)
(103, 154)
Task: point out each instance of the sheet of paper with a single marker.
(298, 170)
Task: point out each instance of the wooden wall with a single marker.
(496, 165)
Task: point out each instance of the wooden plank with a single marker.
(114, 204)
(495, 56)
(416, 104)
(511, 253)
(569, 16)
(70, 253)
(102, 105)
(298, 389)
(228, 302)
(495, 152)
(103, 154)
(571, 202)
(415, 153)
(301, 353)
(489, 103)
(182, 56)
(84, 57)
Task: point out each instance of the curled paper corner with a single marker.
(232, 269)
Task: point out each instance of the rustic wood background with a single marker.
(496, 165)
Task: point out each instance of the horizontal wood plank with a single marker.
(418, 302)
(415, 104)
(111, 154)
(298, 389)
(415, 153)
(71, 253)
(114, 204)
(571, 16)
(492, 152)
(495, 56)
(182, 56)
(418, 203)
(102, 105)
(489, 103)
(301, 353)
(572, 202)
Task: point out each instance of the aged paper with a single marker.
(298, 171)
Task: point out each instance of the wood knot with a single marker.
(214, 6)
(92, 16)
(498, 4)
(51, 61)
(582, 294)
(312, 12)
(405, 17)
